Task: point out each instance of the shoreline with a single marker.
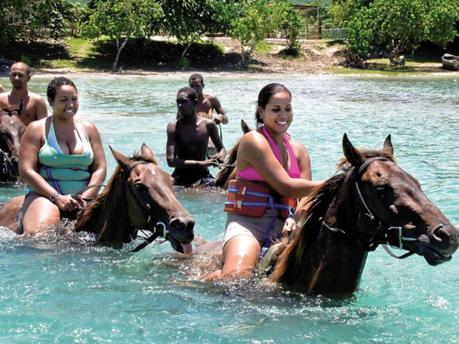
(249, 74)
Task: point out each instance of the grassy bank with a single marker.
(220, 54)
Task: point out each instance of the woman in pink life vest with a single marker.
(273, 170)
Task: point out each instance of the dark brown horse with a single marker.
(11, 130)
(372, 201)
(138, 196)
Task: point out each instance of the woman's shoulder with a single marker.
(296, 144)
(255, 140)
(87, 125)
(38, 125)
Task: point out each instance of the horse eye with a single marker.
(139, 186)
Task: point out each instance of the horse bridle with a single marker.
(387, 230)
(159, 229)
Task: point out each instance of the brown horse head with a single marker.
(11, 130)
(139, 196)
(393, 200)
(228, 172)
(371, 201)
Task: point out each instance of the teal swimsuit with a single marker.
(67, 173)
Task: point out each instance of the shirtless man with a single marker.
(207, 103)
(187, 139)
(27, 106)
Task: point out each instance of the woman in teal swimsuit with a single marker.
(59, 155)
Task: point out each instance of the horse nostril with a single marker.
(182, 224)
(440, 233)
(190, 225)
(177, 223)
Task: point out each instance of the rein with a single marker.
(387, 230)
(80, 192)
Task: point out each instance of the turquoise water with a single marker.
(57, 289)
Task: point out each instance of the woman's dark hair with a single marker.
(55, 84)
(264, 96)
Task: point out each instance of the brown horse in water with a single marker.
(138, 196)
(372, 201)
(11, 130)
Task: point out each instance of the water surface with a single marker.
(60, 290)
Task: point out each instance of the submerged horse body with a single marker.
(138, 196)
(11, 130)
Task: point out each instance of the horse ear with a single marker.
(146, 152)
(245, 127)
(121, 159)
(351, 153)
(388, 148)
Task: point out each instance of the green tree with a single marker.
(397, 25)
(252, 27)
(441, 21)
(188, 20)
(121, 20)
(28, 20)
(289, 22)
(360, 37)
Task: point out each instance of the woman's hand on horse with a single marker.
(81, 201)
(289, 227)
(67, 203)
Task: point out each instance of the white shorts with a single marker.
(265, 229)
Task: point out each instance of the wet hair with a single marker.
(190, 93)
(196, 76)
(265, 95)
(55, 84)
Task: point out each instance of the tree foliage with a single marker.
(288, 22)
(252, 26)
(28, 20)
(396, 26)
(121, 20)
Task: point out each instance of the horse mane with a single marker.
(310, 213)
(90, 214)
(228, 172)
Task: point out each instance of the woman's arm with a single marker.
(99, 166)
(254, 150)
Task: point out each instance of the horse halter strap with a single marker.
(388, 230)
(160, 228)
(398, 230)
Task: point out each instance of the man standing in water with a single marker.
(187, 139)
(206, 105)
(27, 106)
